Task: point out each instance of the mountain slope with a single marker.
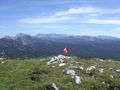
(52, 44)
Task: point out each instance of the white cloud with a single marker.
(80, 10)
(50, 19)
(101, 21)
(59, 16)
(88, 10)
(57, 27)
(93, 15)
(69, 15)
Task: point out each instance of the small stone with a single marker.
(54, 87)
(118, 70)
(111, 76)
(77, 79)
(90, 68)
(70, 72)
(62, 64)
(3, 62)
(81, 67)
(101, 70)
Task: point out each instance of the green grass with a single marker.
(35, 74)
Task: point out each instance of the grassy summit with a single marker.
(35, 74)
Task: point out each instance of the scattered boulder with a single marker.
(56, 59)
(103, 82)
(53, 66)
(73, 66)
(70, 72)
(99, 59)
(62, 64)
(111, 76)
(77, 79)
(48, 63)
(60, 58)
(101, 70)
(81, 68)
(1, 58)
(54, 87)
(118, 70)
(54, 62)
(51, 61)
(90, 68)
(109, 60)
(3, 62)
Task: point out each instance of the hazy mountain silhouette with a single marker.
(41, 45)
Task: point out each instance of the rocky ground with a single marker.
(60, 73)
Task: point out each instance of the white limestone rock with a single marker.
(54, 87)
(99, 59)
(3, 62)
(70, 72)
(90, 68)
(1, 58)
(101, 70)
(118, 70)
(62, 64)
(111, 76)
(77, 79)
(81, 68)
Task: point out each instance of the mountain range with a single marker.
(41, 45)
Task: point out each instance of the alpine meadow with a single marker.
(59, 44)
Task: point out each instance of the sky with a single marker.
(73, 17)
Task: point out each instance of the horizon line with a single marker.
(58, 34)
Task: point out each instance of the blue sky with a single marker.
(74, 17)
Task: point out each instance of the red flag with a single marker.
(65, 51)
